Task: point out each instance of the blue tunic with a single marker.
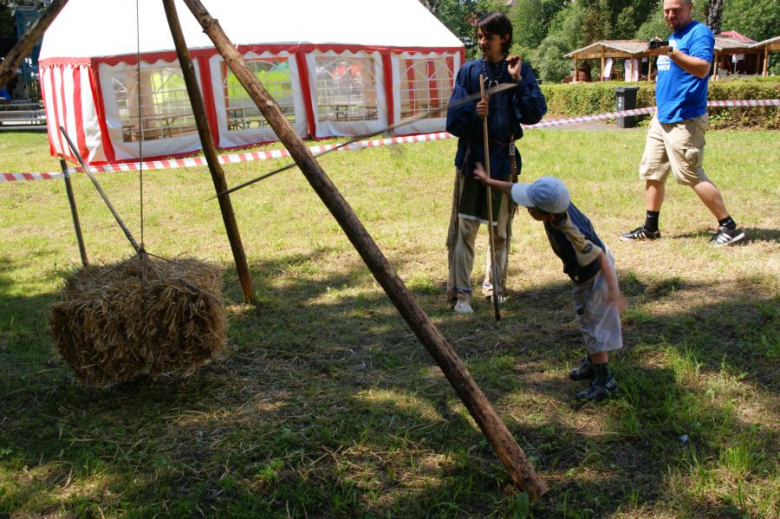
(507, 110)
(680, 95)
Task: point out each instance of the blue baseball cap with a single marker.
(548, 194)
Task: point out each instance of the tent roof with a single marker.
(94, 28)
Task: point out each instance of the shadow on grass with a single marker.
(325, 404)
(752, 235)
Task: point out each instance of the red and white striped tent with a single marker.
(336, 67)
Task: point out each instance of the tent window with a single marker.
(274, 74)
(346, 89)
(426, 84)
(164, 104)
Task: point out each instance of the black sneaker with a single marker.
(584, 371)
(597, 392)
(640, 233)
(726, 236)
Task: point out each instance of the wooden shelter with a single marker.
(767, 46)
(725, 47)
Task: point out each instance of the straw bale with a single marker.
(110, 328)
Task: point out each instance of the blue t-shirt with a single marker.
(680, 95)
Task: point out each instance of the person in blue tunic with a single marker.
(675, 139)
(589, 264)
(505, 112)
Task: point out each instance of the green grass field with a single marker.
(325, 405)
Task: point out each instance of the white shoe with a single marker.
(501, 300)
(463, 307)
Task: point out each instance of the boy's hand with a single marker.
(617, 301)
(480, 173)
(482, 107)
(514, 64)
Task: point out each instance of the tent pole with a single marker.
(74, 213)
(25, 45)
(510, 453)
(210, 152)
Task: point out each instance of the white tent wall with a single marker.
(167, 129)
(331, 78)
(236, 121)
(434, 82)
(352, 107)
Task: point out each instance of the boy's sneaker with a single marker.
(640, 233)
(584, 371)
(726, 236)
(597, 392)
(463, 307)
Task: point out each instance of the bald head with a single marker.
(678, 13)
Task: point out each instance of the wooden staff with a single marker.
(74, 213)
(102, 193)
(491, 233)
(24, 46)
(510, 453)
(210, 152)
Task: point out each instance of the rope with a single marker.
(140, 118)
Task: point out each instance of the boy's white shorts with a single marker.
(599, 322)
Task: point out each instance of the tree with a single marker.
(531, 20)
(714, 14)
(756, 19)
(564, 36)
(457, 15)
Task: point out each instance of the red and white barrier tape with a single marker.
(375, 143)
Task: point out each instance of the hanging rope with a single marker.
(140, 118)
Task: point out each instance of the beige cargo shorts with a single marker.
(676, 147)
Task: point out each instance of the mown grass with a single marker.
(325, 405)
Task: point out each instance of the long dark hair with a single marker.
(498, 23)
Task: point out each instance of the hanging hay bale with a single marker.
(110, 328)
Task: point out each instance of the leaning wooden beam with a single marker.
(74, 212)
(510, 453)
(210, 152)
(25, 45)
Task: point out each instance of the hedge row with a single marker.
(594, 98)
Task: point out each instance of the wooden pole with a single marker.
(715, 67)
(24, 46)
(650, 68)
(102, 193)
(603, 64)
(491, 231)
(74, 213)
(576, 72)
(766, 60)
(210, 152)
(510, 453)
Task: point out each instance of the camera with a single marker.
(654, 44)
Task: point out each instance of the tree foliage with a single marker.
(756, 19)
(457, 15)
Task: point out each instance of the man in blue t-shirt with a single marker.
(675, 140)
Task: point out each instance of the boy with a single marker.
(505, 111)
(589, 264)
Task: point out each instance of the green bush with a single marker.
(593, 98)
